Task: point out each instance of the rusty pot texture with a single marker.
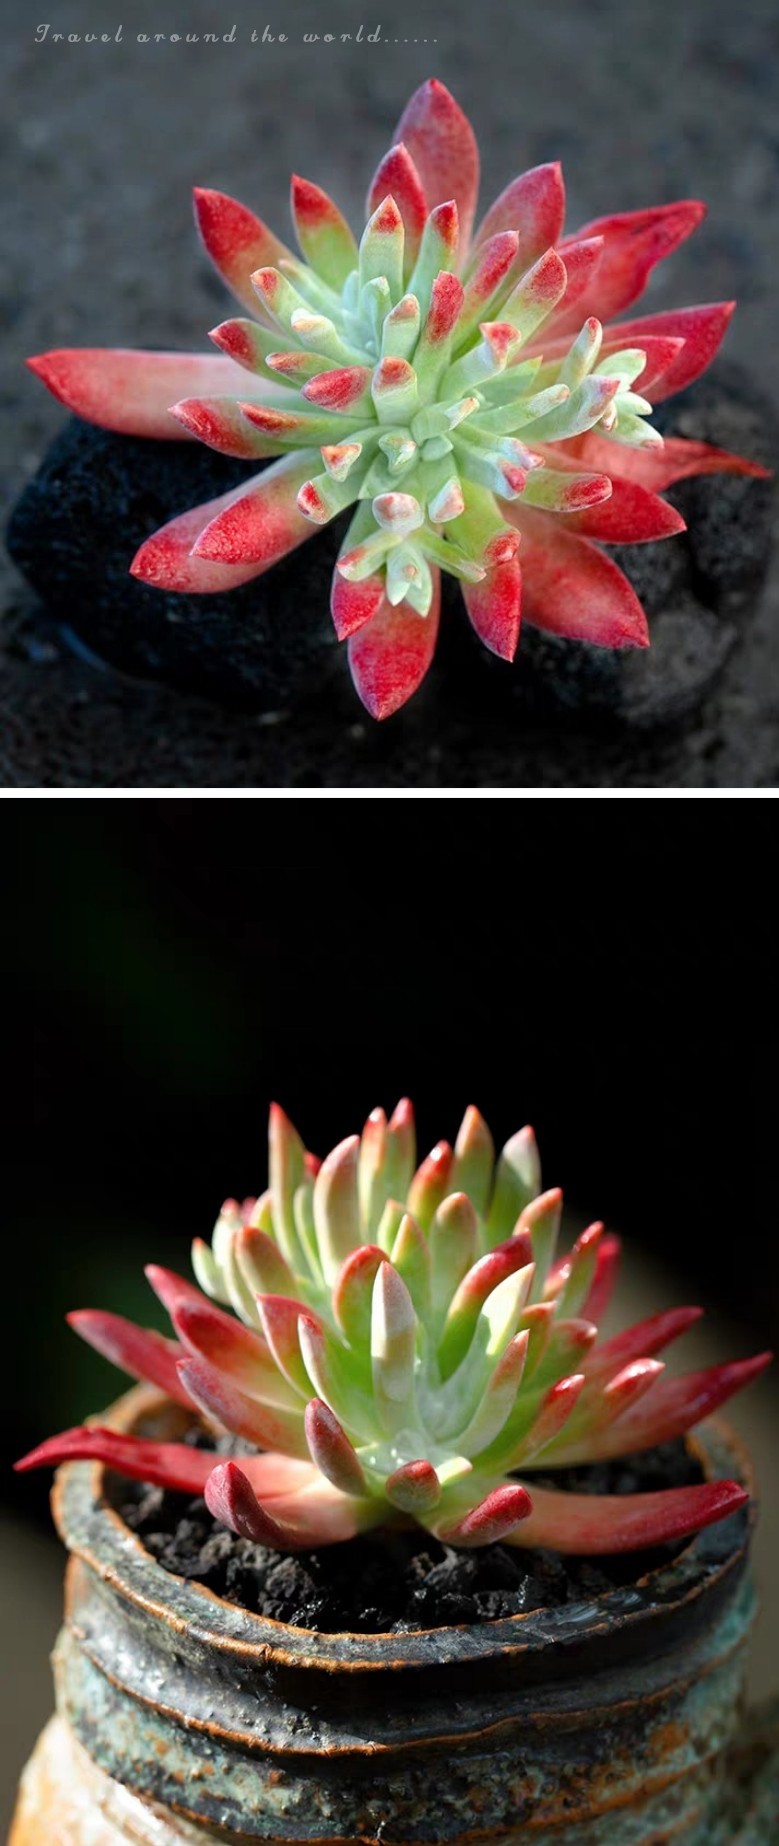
(182, 1717)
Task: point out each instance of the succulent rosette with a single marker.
(470, 394)
(405, 1345)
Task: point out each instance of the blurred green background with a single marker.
(173, 964)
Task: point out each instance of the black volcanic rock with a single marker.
(77, 526)
(97, 496)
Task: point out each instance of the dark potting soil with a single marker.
(398, 1581)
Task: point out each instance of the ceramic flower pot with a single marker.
(183, 1717)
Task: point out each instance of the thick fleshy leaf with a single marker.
(489, 279)
(392, 1220)
(353, 603)
(410, 1254)
(336, 1209)
(140, 1351)
(495, 608)
(498, 1321)
(446, 298)
(393, 1349)
(264, 1269)
(633, 243)
(596, 1524)
(372, 1185)
(571, 1279)
(474, 1158)
(316, 1515)
(533, 205)
(469, 1298)
(332, 1376)
(292, 428)
(401, 1148)
(331, 1449)
(430, 1184)
(397, 176)
(491, 1522)
(442, 145)
(554, 1411)
(231, 1500)
(164, 1464)
(537, 1321)
(630, 516)
(517, 1181)
(237, 243)
(567, 1348)
(346, 390)
(234, 1349)
(659, 350)
(646, 1338)
(294, 368)
(560, 490)
(221, 423)
(353, 1293)
(267, 1426)
(131, 392)
(497, 1399)
(414, 1488)
(250, 346)
(582, 260)
(453, 1244)
(602, 1404)
(390, 653)
(263, 522)
(626, 1388)
(279, 1317)
(381, 251)
(540, 1221)
(536, 295)
(166, 561)
(657, 468)
(607, 1261)
(176, 1291)
(207, 1271)
(322, 233)
(673, 1406)
(572, 588)
(702, 329)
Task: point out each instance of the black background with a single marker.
(606, 973)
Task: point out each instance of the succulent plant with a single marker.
(460, 391)
(403, 1342)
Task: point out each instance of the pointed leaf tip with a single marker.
(140, 1351)
(392, 651)
(414, 1488)
(231, 1500)
(331, 1450)
(492, 1520)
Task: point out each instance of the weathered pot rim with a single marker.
(95, 1532)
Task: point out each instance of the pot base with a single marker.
(66, 1800)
